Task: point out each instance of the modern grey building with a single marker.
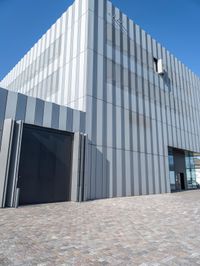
(123, 106)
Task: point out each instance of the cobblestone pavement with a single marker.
(146, 230)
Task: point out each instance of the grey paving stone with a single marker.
(147, 230)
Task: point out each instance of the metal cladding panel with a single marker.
(3, 100)
(35, 111)
(47, 114)
(63, 118)
(21, 107)
(11, 105)
(55, 116)
(53, 68)
(75, 167)
(5, 154)
(39, 112)
(11, 191)
(70, 120)
(30, 110)
(99, 174)
(93, 173)
(133, 113)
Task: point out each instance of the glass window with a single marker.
(192, 169)
(172, 177)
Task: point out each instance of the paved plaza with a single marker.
(145, 230)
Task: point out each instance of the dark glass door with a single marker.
(45, 166)
(182, 179)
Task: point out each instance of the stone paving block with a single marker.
(145, 230)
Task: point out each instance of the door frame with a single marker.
(11, 193)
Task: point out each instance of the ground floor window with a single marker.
(184, 169)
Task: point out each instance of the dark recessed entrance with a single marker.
(182, 181)
(45, 166)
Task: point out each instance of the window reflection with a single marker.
(192, 170)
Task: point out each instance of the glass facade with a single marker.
(172, 176)
(192, 161)
(192, 170)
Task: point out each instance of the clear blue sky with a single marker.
(174, 23)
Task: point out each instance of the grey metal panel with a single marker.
(82, 122)
(109, 174)
(76, 121)
(143, 176)
(128, 173)
(82, 171)
(63, 118)
(11, 105)
(119, 172)
(79, 168)
(88, 117)
(99, 130)
(93, 172)
(55, 116)
(75, 167)
(114, 172)
(14, 165)
(89, 168)
(99, 174)
(3, 101)
(30, 110)
(86, 168)
(21, 107)
(156, 174)
(105, 173)
(166, 174)
(93, 116)
(39, 112)
(136, 173)
(150, 173)
(69, 119)
(47, 114)
(5, 158)
(162, 174)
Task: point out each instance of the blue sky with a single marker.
(174, 23)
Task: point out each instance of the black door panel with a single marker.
(45, 165)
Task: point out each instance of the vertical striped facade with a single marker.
(133, 114)
(18, 111)
(35, 111)
(106, 66)
(55, 67)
